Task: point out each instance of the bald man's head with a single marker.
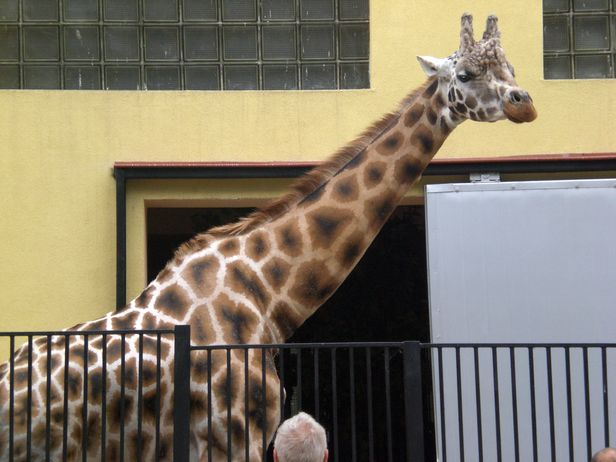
(605, 455)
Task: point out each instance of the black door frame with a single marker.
(124, 172)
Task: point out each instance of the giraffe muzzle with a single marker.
(519, 107)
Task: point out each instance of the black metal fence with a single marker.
(105, 396)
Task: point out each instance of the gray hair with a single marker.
(605, 455)
(300, 439)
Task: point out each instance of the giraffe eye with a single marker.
(464, 77)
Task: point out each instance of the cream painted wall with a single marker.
(57, 237)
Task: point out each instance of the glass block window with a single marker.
(185, 44)
(579, 39)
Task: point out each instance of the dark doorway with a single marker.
(384, 299)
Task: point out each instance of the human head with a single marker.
(605, 455)
(300, 439)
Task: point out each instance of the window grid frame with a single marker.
(182, 63)
(571, 14)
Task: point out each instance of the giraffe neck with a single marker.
(258, 280)
(324, 235)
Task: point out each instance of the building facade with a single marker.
(59, 146)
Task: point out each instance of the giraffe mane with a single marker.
(308, 183)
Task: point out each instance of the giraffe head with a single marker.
(478, 81)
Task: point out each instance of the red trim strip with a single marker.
(446, 161)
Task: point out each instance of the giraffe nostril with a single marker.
(517, 97)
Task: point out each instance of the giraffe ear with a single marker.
(433, 66)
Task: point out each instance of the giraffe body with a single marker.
(257, 281)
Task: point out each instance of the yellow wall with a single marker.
(57, 206)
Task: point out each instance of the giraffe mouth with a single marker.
(520, 113)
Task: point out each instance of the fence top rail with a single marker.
(88, 333)
(516, 345)
(290, 346)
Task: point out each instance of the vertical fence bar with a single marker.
(104, 399)
(548, 352)
(499, 454)
(298, 368)
(12, 397)
(228, 404)
(84, 409)
(388, 405)
(246, 406)
(315, 352)
(369, 403)
(442, 403)
(48, 403)
(390, 456)
(533, 402)
(514, 405)
(478, 403)
(587, 403)
(67, 339)
(181, 394)
(157, 401)
(606, 417)
(460, 406)
(210, 439)
(569, 401)
(264, 403)
(352, 398)
(281, 383)
(413, 402)
(335, 405)
(140, 400)
(122, 393)
(29, 401)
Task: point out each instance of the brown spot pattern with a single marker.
(314, 284)
(352, 249)
(407, 169)
(230, 247)
(242, 279)
(390, 144)
(286, 319)
(471, 102)
(414, 114)
(276, 272)
(373, 174)
(227, 387)
(201, 275)
(289, 238)
(431, 115)
(438, 101)
(378, 209)
(346, 189)
(257, 245)
(143, 300)
(237, 321)
(124, 320)
(173, 301)
(201, 331)
(326, 224)
(431, 89)
(423, 139)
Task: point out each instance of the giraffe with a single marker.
(254, 281)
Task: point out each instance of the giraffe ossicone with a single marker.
(255, 281)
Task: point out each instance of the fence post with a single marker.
(413, 402)
(181, 394)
